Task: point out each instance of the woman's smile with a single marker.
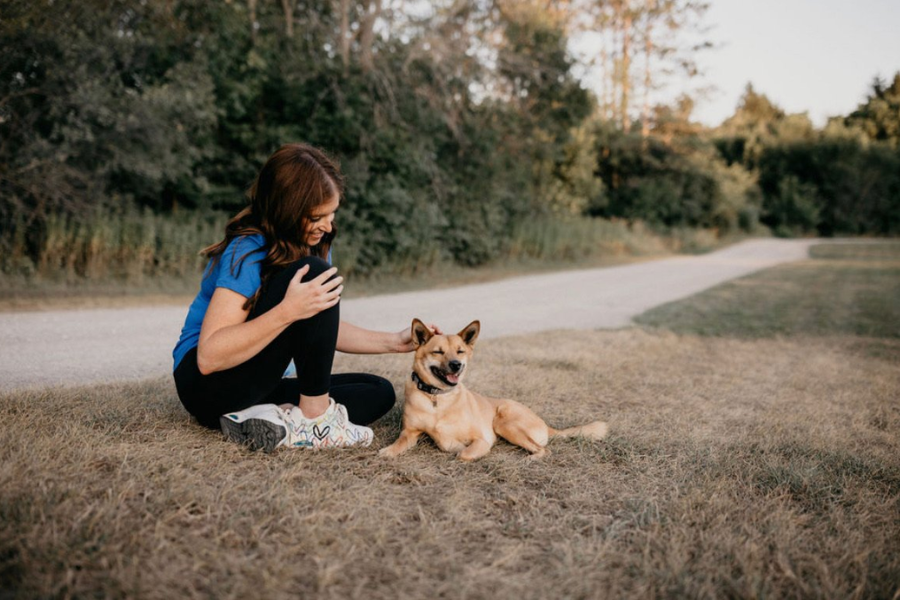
(320, 222)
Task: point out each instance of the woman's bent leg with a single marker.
(310, 343)
(367, 397)
(207, 397)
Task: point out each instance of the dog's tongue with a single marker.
(452, 378)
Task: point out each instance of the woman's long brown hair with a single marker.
(295, 180)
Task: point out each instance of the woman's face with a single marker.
(319, 222)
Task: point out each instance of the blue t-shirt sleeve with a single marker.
(239, 266)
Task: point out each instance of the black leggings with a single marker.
(310, 343)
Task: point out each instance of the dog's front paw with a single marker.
(388, 452)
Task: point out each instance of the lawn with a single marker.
(844, 289)
(748, 457)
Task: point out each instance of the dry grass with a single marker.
(737, 467)
(734, 468)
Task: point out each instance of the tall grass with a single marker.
(131, 249)
(576, 238)
(129, 246)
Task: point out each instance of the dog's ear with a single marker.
(420, 333)
(470, 333)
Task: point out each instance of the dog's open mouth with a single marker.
(447, 377)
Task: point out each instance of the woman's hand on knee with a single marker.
(305, 299)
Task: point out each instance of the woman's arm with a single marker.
(356, 340)
(228, 339)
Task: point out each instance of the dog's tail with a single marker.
(594, 431)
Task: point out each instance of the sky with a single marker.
(813, 56)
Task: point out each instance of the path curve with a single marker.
(88, 346)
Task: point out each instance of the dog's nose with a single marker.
(455, 365)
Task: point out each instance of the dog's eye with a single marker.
(438, 352)
(460, 351)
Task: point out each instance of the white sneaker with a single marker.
(331, 429)
(260, 426)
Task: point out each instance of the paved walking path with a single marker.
(87, 346)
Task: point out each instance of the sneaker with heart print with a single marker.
(331, 429)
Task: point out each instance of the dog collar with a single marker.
(424, 387)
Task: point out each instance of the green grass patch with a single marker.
(864, 250)
(844, 289)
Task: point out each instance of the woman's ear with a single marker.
(420, 333)
(470, 333)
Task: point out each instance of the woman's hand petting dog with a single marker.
(405, 341)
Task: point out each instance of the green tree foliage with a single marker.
(831, 186)
(96, 112)
(549, 106)
(673, 185)
(843, 180)
(456, 122)
(879, 116)
(756, 123)
(174, 105)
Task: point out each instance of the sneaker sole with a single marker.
(254, 433)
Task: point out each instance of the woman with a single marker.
(269, 296)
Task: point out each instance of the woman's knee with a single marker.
(276, 288)
(317, 266)
(383, 396)
(367, 397)
(386, 388)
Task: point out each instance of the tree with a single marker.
(756, 123)
(95, 114)
(879, 115)
(661, 31)
(550, 102)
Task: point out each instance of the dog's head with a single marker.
(441, 359)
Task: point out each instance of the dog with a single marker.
(462, 421)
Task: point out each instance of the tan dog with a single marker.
(459, 420)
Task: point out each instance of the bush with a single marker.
(832, 186)
(671, 185)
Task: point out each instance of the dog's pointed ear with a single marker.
(470, 333)
(420, 333)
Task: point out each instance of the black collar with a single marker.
(424, 387)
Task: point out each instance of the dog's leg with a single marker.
(524, 440)
(539, 453)
(407, 440)
(475, 450)
(518, 425)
